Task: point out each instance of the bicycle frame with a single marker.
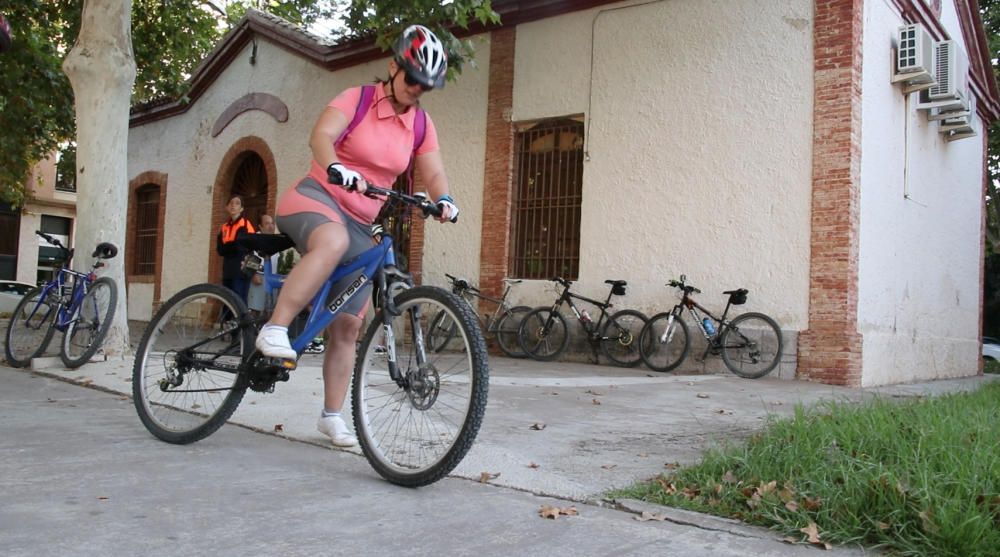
(693, 308)
(66, 311)
(489, 320)
(567, 297)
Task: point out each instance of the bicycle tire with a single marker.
(191, 318)
(86, 333)
(620, 337)
(27, 340)
(437, 415)
(664, 355)
(507, 329)
(440, 331)
(763, 352)
(543, 335)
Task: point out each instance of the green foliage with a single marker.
(990, 12)
(916, 478)
(387, 18)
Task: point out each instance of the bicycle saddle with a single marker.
(265, 244)
(616, 282)
(105, 250)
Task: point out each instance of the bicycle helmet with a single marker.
(421, 54)
(105, 250)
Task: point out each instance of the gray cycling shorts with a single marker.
(298, 226)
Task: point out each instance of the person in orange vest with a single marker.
(232, 254)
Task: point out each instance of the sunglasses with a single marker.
(411, 81)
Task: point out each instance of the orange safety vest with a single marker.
(229, 229)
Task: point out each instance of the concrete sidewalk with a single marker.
(567, 430)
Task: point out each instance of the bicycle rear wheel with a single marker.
(751, 345)
(415, 430)
(543, 334)
(188, 375)
(507, 328)
(440, 331)
(620, 337)
(86, 332)
(664, 342)
(30, 328)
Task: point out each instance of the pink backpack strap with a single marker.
(364, 104)
(419, 133)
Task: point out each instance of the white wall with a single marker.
(921, 200)
(699, 136)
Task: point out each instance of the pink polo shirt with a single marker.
(379, 148)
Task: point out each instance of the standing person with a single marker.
(257, 296)
(329, 219)
(232, 254)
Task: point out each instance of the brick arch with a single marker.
(158, 179)
(223, 184)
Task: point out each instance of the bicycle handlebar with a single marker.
(418, 200)
(680, 284)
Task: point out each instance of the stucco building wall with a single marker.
(699, 142)
(919, 261)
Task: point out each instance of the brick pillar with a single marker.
(830, 349)
(497, 193)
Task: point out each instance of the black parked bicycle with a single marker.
(544, 334)
(503, 323)
(81, 305)
(750, 344)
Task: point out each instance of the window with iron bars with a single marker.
(548, 191)
(147, 217)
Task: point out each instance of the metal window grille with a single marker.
(548, 190)
(147, 205)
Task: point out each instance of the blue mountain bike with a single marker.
(416, 412)
(80, 305)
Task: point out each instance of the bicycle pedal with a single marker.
(281, 363)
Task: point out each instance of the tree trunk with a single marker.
(101, 69)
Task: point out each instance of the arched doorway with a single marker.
(250, 182)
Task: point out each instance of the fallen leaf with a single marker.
(792, 506)
(764, 489)
(608, 466)
(927, 521)
(195, 406)
(702, 395)
(647, 516)
(812, 533)
(668, 487)
(812, 504)
(786, 494)
(533, 465)
(728, 477)
(592, 392)
(672, 465)
(642, 455)
(278, 428)
(691, 492)
(790, 540)
(882, 525)
(537, 427)
(548, 511)
(485, 477)
(595, 401)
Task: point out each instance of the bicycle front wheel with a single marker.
(664, 342)
(188, 375)
(543, 334)
(751, 345)
(507, 328)
(440, 331)
(30, 328)
(416, 427)
(620, 337)
(86, 332)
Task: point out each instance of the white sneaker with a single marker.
(336, 429)
(273, 343)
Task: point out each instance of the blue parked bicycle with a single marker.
(80, 305)
(416, 413)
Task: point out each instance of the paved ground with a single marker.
(604, 427)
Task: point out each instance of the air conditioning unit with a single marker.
(951, 72)
(914, 50)
(960, 121)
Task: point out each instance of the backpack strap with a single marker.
(364, 104)
(419, 133)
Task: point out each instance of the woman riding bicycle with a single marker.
(329, 218)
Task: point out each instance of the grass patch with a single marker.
(919, 477)
(991, 366)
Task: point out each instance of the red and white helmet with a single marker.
(421, 54)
